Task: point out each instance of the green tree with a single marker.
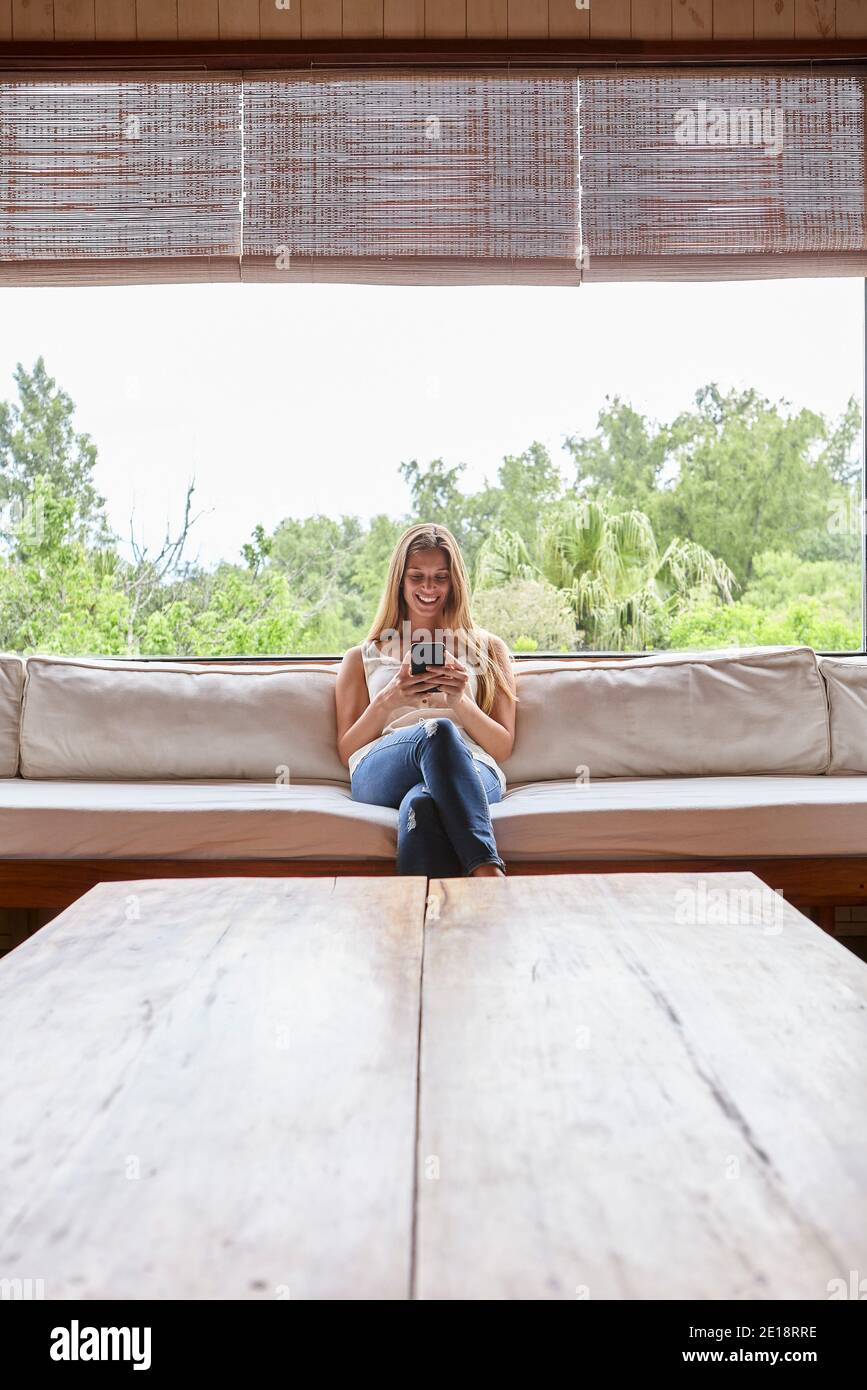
(56, 593)
(38, 439)
(735, 474)
(623, 591)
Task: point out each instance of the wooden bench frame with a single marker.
(815, 884)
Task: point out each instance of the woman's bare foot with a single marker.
(487, 871)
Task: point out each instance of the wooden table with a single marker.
(630, 1086)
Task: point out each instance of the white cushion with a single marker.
(11, 687)
(742, 711)
(846, 681)
(678, 818)
(683, 818)
(190, 820)
(100, 720)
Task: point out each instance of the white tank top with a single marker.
(378, 670)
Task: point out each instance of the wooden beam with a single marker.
(445, 19)
(566, 22)
(814, 17)
(115, 20)
(528, 19)
(774, 19)
(651, 19)
(239, 19)
(198, 19)
(156, 19)
(445, 54)
(75, 19)
(851, 18)
(733, 19)
(692, 19)
(58, 882)
(280, 23)
(403, 19)
(32, 19)
(362, 19)
(487, 19)
(610, 19)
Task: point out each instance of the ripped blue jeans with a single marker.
(441, 793)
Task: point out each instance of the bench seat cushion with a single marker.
(684, 817)
(190, 820)
(672, 818)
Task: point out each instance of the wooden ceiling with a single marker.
(659, 20)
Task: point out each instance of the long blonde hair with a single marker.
(484, 656)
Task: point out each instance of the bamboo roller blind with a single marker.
(98, 178)
(431, 177)
(442, 178)
(718, 176)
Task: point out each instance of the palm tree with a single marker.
(622, 591)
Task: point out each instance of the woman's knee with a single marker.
(418, 809)
(442, 736)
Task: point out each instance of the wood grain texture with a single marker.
(32, 19)
(528, 19)
(733, 19)
(114, 20)
(75, 20)
(567, 22)
(362, 19)
(618, 1102)
(209, 1091)
(814, 19)
(445, 19)
(610, 19)
(774, 19)
(198, 19)
(651, 19)
(850, 19)
(239, 19)
(321, 19)
(156, 19)
(56, 883)
(282, 23)
(487, 19)
(69, 20)
(692, 19)
(403, 19)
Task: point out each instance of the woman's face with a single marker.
(426, 587)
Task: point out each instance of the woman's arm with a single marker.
(495, 732)
(359, 719)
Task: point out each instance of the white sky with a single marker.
(295, 399)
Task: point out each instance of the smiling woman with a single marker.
(434, 760)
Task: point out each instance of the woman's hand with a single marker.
(404, 686)
(453, 680)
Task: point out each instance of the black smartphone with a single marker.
(425, 654)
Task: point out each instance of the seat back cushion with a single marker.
(107, 720)
(846, 682)
(726, 713)
(11, 691)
